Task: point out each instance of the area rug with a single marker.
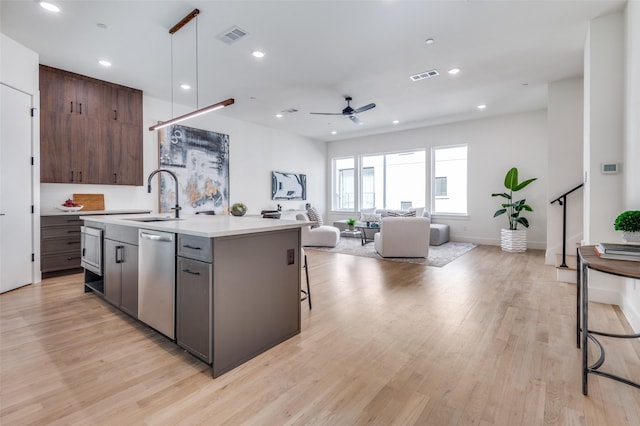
(438, 255)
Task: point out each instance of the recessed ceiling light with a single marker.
(429, 41)
(49, 6)
(104, 63)
(395, 121)
(278, 115)
(482, 106)
(333, 132)
(185, 86)
(454, 71)
(258, 54)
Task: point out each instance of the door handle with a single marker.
(119, 254)
(154, 237)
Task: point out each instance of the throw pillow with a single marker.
(393, 213)
(314, 216)
(419, 211)
(369, 215)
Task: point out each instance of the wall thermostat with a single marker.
(609, 168)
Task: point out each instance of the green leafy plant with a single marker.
(628, 221)
(238, 209)
(512, 208)
(351, 221)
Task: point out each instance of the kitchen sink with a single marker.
(153, 219)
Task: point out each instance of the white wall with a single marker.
(494, 146)
(631, 173)
(612, 68)
(565, 123)
(255, 151)
(19, 69)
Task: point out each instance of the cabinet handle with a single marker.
(80, 106)
(189, 271)
(73, 257)
(191, 247)
(80, 177)
(119, 254)
(84, 250)
(71, 111)
(73, 242)
(71, 180)
(115, 114)
(115, 178)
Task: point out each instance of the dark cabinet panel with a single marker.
(121, 275)
(91, 130)
(59, 244)
(193, 307)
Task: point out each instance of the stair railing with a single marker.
(562, 200)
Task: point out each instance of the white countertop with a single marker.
(209, 226)
(56, 212)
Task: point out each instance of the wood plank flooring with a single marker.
(486, 340)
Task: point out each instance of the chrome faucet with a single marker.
(175, 178)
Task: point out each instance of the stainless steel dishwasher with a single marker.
(156, 280)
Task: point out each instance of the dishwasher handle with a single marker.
(155, 237)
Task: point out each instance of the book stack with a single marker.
(618, 251)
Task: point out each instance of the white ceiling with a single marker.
(317, 52)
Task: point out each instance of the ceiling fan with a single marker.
(349, 112)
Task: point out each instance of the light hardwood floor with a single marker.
(485, 340)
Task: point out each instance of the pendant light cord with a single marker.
(197, 81)
(172, 114)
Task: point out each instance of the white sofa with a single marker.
(403, 237)
(320, 236)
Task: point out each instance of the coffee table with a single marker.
(367, 232)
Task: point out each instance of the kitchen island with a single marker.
(224, 288)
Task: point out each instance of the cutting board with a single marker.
(90, 201)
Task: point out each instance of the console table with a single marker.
(587, 259)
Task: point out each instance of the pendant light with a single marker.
(198, 111)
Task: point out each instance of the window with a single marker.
(449, 171)
(389, 181)
(344, 188)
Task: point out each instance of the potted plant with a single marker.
(514, 239)
(629, 223)
(238, 209)
(351, 223)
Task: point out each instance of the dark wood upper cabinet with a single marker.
(90, 130)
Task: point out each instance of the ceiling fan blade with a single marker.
(365, 108)
(326, 113)
(354, 119)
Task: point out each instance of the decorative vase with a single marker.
(351, 227)
(631, 237)
(238, 212)
(513, 241)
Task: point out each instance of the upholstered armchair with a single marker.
(403, 237)
(319, 236)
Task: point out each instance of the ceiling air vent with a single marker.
(425, 74)
(232, 35)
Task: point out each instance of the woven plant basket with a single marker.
(513, 241)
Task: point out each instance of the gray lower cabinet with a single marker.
(121, 269)
(193, 307)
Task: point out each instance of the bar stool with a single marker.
(306, 294)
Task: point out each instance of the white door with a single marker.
(16, 229)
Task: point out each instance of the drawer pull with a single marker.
(119, 254)
(191, 247)
(72, 242)
(189, 271)
(73, 232)
(73, 257)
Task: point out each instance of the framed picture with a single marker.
(288, 186)
(200, 159)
